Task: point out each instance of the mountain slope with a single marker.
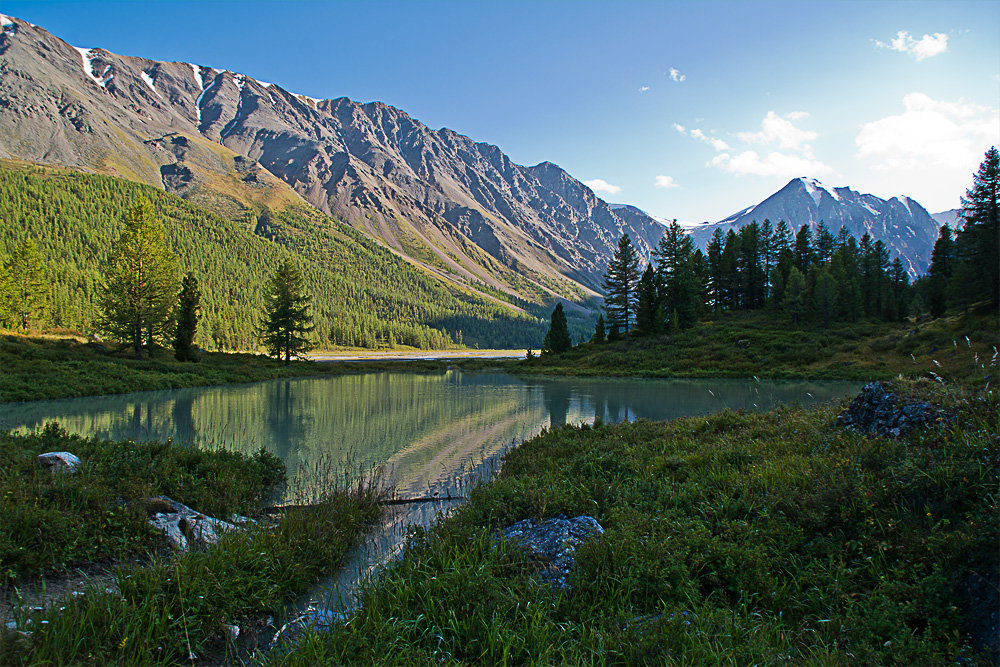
(363, 295)
(459, 208)
(905, 227)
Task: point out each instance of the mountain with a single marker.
(458, 208)
(953, 218)
(903, 225)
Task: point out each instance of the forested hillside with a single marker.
(363, 295)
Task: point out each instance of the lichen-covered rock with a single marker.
(554, 541)
(878, 411)
(63, 462)
(183, 526)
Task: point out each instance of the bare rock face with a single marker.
(58, 462)
(184, 527)
(554, 542)
(878, 411)
(457, 207)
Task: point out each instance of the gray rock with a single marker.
(183, 527)
(62, 462)
(878, 411)
(554, 541)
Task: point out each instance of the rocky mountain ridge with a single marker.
(461, 209)
(905, 227)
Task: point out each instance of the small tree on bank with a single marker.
(557, 338)
(287, 320)
(188, 311)
(140, 282)
(619, 284)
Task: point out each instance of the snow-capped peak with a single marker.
(5, 22)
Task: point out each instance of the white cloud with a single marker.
(600, 185)
(929, 134)
(925, 47)
(665, 182)
(696, 133)
(773, 164)
(782, 130)
(643, 89)
(675, 75)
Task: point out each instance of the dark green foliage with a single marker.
(619, 285)
(287, 320)
(733, 539)
(363, 295)
(795, 299)
(939, 276)
(557, 337)
(681, 290)
(188, 311)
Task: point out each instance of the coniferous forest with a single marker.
(363, 295)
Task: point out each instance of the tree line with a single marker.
(66, 224)
(812, 275)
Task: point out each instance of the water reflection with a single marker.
(427, 428)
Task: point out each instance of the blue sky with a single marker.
(689, 110)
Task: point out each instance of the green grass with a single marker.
(37, 368)
(772, 348)
(161, 607)
(49, 522)
(737, 538)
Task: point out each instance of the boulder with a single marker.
(183, 527)
(743, 343)
(554, 542)
(62, 462)
(878, 411)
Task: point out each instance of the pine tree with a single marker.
(715, 269)
(825, 295)
(286, 314)
(803, 249)
(140, 281)
(619, 285)
(824, 243)
(188, 312)
(977, 244)
(557, 338)
(25, 276)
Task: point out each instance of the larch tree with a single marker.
(287, 321)
(25, 284)
(977, 244)
(619, 285)
(140, 282)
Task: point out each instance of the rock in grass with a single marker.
(554, 541)
(63, 462)
(183, 526)
(878, 411)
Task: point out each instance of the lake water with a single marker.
(425, 428)
(434, 433)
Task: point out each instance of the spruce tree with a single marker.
(188, 312)
(647, 303)
(557, 337)
(796, 296)
(287, 320)
(26, 288)
(619, 286)
(939, 275)
(825, 295)
(140, 281)
(977, 274)
(599, 333)
(803, 249)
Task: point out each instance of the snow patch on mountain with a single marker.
(7, 26)
(197, 103)
(197, 76)
(87, 57)
(814, 188)
(149, 81)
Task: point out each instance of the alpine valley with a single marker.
(494, 240)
